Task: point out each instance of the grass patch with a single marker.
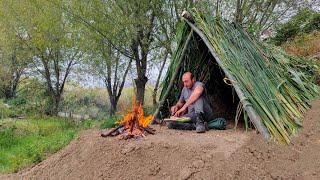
(110, 122)
(26, 142)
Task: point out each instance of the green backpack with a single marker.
(217, 123)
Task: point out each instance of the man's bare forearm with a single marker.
(179, 104)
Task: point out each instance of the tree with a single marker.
(165, 37)
(255, 16)
(150, 34)
(129, 28)
(304, 21)
(14, 59)
(12, 68)
(52, 39)
(112, 67)
(106, 54)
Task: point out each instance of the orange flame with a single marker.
(129, 119)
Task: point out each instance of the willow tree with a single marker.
(128, 26)
(14, 57)
(52, 39)
(255, 16)
(12, 67)
(111, 67)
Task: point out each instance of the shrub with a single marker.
(305, 21)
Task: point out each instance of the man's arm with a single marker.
(176, 107)
(180, 103)
(193, 97)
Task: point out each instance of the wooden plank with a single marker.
(253, 115)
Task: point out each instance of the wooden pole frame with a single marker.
(253, 115)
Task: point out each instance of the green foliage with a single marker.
(305, 21)
(26, 142)
(148, 110)
(89, 123)
(18, 101)
(92, 102)
(109, 122)
(54, 41)
(304, 45)
(6, 111)
(31, 98)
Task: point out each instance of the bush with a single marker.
(314, 23)
(305, 21)
(110, 122)
(89, 102)
(304, 45)
(18, 101)
(31, 98)
(6, 111)
(89, 123)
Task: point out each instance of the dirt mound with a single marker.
(168, 154)
(259, 159)
(173, 154)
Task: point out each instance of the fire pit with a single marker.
(133, 125)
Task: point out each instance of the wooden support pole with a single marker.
(173, 78)
(253, 115)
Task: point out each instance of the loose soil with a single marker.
(172, 154)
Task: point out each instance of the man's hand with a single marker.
(174, 109)
(180, 112)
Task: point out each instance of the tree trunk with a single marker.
(15, 83)
(7, 91)
(113, 106)
(113, 109)
(11, 90)
(238, 14)
(140, 84)
(55, 106)
(8, 94)
(112, 98)
(140, 48)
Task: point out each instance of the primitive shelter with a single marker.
(240, 72)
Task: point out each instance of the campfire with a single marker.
(133, 125)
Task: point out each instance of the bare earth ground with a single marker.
(173, 154)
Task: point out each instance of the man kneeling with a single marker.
(193, 103)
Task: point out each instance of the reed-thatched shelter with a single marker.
(273, 88)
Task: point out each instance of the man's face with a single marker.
(187, 81)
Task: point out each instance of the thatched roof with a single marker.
(273, 88)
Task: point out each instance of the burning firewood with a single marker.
(133, 125)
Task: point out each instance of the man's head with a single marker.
(188, 80)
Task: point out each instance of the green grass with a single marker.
(110, 122)
(27, 142)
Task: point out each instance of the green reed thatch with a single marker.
(278, 86)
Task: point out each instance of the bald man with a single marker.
(193, 103)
